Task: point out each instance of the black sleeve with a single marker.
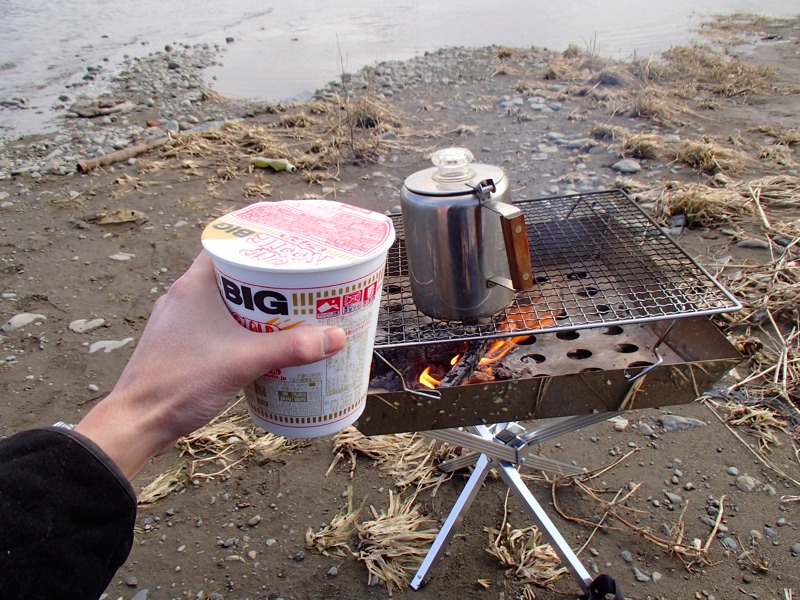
(66, 516)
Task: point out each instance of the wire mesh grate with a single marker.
(598, 260)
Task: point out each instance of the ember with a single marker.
(519, 317)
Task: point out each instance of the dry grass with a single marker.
(393, 544)
(782, 135)
(529, 558)
(710, 70)
(759, 422)
(213, 451)
(708, 156)
(642, 145)
(317, 137)
(410, 459)
(336, 536)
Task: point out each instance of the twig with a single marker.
(766, 462)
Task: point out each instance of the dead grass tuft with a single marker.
(642, 145)
(393, 544)
(336, 536)
(708, 156)
(410, 459)
(529, 558)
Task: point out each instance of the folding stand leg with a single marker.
(512, 478)
(504, 450)
(454, 519)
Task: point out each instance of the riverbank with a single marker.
(705, 140)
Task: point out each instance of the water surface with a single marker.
(288, 49)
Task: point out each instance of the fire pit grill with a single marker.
(598, 260)
(599, 263)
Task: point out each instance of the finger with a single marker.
(261, 352)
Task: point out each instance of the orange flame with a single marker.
(427, 379)
(515, 320)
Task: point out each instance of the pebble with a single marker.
(109, 345)
(674, 499)
(131, 582)
(332, 572)
(645, 429)
(730, 543)
(253, 521)
(141, 594)
(626, 556)
(746, 483)
(84, 325)
(796, 549)
(758, 244)
(639, 575)
(21, 320)
(732, 471)
(677, 423)
(627, 166)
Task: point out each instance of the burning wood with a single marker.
(474, 365)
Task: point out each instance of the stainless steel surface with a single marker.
(454, 243)
(598, 260)
(566, 373)
(509, 474)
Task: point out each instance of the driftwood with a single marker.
(120, 155)
(466, 365)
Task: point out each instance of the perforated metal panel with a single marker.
(598, 260)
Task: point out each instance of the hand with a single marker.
(191, 361)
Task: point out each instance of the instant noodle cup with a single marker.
(286, 264)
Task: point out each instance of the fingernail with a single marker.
(333, 339)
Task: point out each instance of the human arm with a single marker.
(191, 360)
(66, 506)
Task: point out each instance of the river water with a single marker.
(287, 49)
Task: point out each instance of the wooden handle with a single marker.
(515, 236)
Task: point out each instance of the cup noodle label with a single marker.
(324, 392)
(326, 237)
(299, 235)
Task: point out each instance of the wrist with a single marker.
(128, 439)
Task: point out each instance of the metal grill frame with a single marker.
(598, 260)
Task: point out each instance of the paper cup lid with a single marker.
(298, 235)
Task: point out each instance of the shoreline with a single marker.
(700, 140)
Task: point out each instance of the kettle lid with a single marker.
(454, 174)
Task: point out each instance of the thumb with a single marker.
(262, 352)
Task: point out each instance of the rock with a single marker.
(796, 549)
(626, 556)
(674, 499)
(732, 471)
(758, 244)
(84, 325)
(655, 576)
(21, 320)
(730, 543)
(639, 575)
(332, 572)
(141, 594)
(677, 423)
(746, 483)
(253, 521)
(627, 166)
(131, 582)
(645, 429)
(122, 256)
(109, 345)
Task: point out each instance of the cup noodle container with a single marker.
(285, 264)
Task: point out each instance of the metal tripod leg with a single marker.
(512, 478)
(454, 519)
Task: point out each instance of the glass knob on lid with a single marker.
(452, 164)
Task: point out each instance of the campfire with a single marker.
(480, 358)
